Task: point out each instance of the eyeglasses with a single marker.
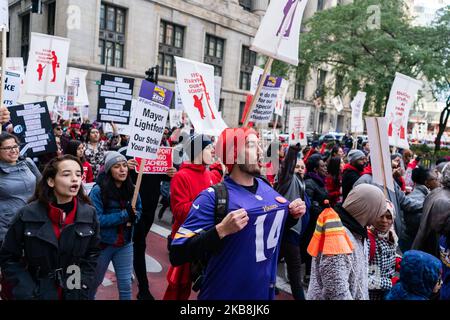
(59, 128)
(9, 149)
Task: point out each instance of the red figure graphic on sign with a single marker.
(40, 71)
(289, 13)
(199, 105)
(208, 98)
(402, 132)
(55, 65)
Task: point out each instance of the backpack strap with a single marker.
(221, 202)
(372, 243)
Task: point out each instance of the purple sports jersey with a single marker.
(246, 266)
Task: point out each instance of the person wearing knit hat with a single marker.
(256, 212)
(112, 199)
(339, 268)
(195, 146)
(352, 171)
(194, 176)
(113, 157)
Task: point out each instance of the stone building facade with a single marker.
(128, 37)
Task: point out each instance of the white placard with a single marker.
(77, 79)
(12, 88)
(401, 99)
(279, 33)
(380, 156)
(265, 106)
(357, 112)
(196, 87)
(298, 125)
(47, 65)
(279, 106)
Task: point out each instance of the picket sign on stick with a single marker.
(2, 83)
(258, 90)
(138, 185)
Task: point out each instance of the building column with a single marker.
(259, 7)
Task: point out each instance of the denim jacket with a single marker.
(112, 217)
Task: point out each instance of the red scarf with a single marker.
(61, 219)
(348, 166)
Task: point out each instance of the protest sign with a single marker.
(178, 102)
(298, 125)
(265, 105)
(148, 121)
(279, 106)
(77, 79)
(160, 165)
(196, 85)
(357, 112)
(4, 15)
(115, 96)
(12, 88)
(401, 99)
(33, 126)
(338, 104)
(175, 118)
(256, 76)
(47, 65)
(279, 33)
(380, 156)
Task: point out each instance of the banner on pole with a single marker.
(115, 97)
(401, 99)
(33, 127)
(196, 85)
(77, 79)
(380, 156)
(338, 104)
(298, 125)
(279, 33)
(357, 112)
(148, 121)
(160, 165)
(47, 65)
(279, 106)
(265, 105)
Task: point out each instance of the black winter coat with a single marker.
(35, 263)
(349, 177)
(317, 193)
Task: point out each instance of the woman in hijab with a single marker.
(382, 245)
(339, 266)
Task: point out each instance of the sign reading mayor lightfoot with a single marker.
(148, 121)
(33, 127)
(115, 96)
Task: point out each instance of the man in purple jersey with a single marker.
(242, 250)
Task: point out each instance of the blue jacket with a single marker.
(112, 217)
(445, 259)
(419, 274)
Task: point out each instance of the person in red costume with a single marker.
(192, 178)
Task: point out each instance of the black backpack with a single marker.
(221, 210)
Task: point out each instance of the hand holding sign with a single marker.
(4, 115)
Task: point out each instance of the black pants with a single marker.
(306, 239)
(140, 235)
(293, 261)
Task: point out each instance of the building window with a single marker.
(246, 4)
(112, 35)
(338, 85)
(299, 90)
(214, 48)
(319, 5)
(51, 11)
(300, 81)
(248, 61)
(171, 42)
(221, 104)
(321, 78)
(25, 46)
